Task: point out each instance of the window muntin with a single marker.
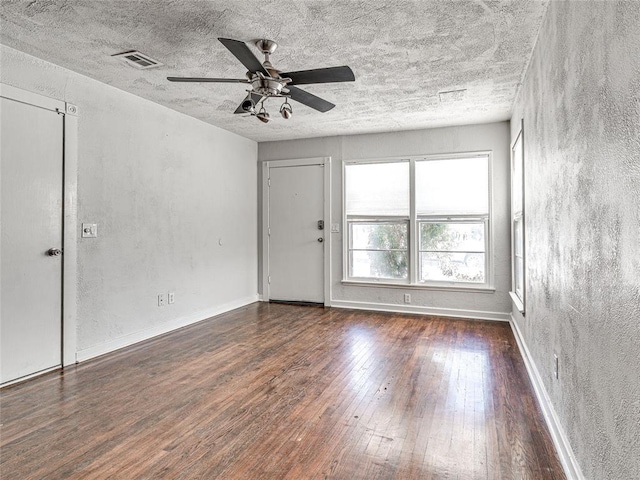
(448, 194)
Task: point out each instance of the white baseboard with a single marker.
(559, 437)
(30, 376)
(142, 335)
(442, 312)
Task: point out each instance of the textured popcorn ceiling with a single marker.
(403, 53)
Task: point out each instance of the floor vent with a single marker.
(137, 59)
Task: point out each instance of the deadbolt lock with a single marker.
(320, 224)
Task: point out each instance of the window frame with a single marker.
(413, 222)
(518, 295)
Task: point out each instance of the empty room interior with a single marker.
(322, 239)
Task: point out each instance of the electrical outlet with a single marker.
(171, 297)
(162, 300)
(407, 298)
(556, 367)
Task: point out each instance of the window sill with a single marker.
(517, 302)
(446, 288)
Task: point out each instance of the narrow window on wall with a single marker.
(517, 222)
(422, 221)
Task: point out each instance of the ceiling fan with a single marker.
(266, 81)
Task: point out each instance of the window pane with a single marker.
(452, 267)
(519, 274)
(377, 189)
(456, 186)
(465, 237)
(378, 264)
(516, 180)
(378, 236)
(517, 234)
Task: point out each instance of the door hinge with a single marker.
(268, 182)
(269, 232)
(269, 279)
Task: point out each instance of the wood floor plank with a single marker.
(287, 392)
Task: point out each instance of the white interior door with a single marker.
(31, 186)
(296, 244)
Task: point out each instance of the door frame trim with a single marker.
(68, 320)
(326, 163)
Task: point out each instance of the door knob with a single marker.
(321, 239)
(54, 252)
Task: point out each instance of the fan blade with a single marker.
(199, 79)
(320, 75)
(241, 51)
(255, 97)
(310, 100)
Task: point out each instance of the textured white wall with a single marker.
(493, 136)
(581, 107)
(163, 188)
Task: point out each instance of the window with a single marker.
(517, 222)
(377, 208)
(422, 221)
(452, 206)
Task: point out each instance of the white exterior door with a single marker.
(31, 184)
(296, 244)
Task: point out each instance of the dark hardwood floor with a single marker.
(278, 391)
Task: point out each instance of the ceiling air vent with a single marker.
(137, 59)
(452, 95)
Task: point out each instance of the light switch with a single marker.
(89, 230)
(335, 228)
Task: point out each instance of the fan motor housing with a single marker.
(266, 86)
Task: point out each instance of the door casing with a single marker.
(326, 162)
(70, 213)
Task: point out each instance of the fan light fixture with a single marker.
(263, 115)
(285, 110)
(248, 105)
